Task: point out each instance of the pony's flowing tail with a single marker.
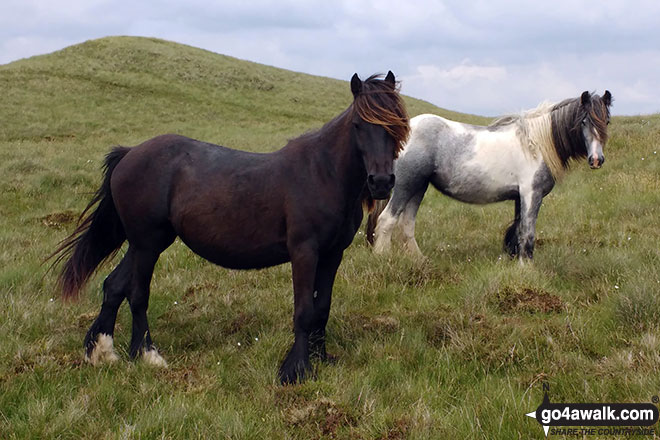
(98, 237)
(372, 220)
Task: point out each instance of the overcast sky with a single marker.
(484, 57)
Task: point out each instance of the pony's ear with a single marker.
(607, 98)
(390, 79)
(585, 99)
(356, 85)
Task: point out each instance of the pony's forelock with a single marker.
(599, 117)
(381, 104)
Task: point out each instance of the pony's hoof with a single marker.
(101, 351)
(152, 357)
(292, 372)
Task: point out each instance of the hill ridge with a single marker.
(101, 85)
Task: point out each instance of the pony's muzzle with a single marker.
(381, 185)
(596, 162)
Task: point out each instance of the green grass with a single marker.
(454, 347)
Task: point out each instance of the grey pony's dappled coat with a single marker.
(515, 158)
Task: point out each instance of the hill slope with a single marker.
(453, 347)
(140, 87)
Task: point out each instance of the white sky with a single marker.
(484, 57)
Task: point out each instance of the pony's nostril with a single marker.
(392, 178)
(370, 179)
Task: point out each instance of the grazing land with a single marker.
(457, 346)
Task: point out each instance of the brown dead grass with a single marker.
(59, 220)
(322, 415)
(527, 300)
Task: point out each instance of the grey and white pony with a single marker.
(515, 158)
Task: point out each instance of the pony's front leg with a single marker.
(296, 365)
(325, 278)
(384, 228)
(408, 225)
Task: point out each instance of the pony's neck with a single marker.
(538, 131)
(339, 158)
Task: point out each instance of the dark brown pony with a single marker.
(239, 210)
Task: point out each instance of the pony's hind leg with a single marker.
(99, 339)
(142, 267)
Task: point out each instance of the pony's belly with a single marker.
(484, 198)
(479, 192)
(475, 183)
(241, 256)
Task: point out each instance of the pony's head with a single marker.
(594, 117)
(380, 128)
(579, 129)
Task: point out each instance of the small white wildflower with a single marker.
(239, 344)
(256, 339)
(176, 302)
(628, 238)
(51, 300)
(616, 287)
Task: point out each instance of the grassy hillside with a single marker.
(457, 346)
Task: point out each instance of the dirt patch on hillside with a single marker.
(59, 219)
(186, 377)
(527, 300)
(321, 415)
(242, 323)
(397, 431)
(380, 324)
